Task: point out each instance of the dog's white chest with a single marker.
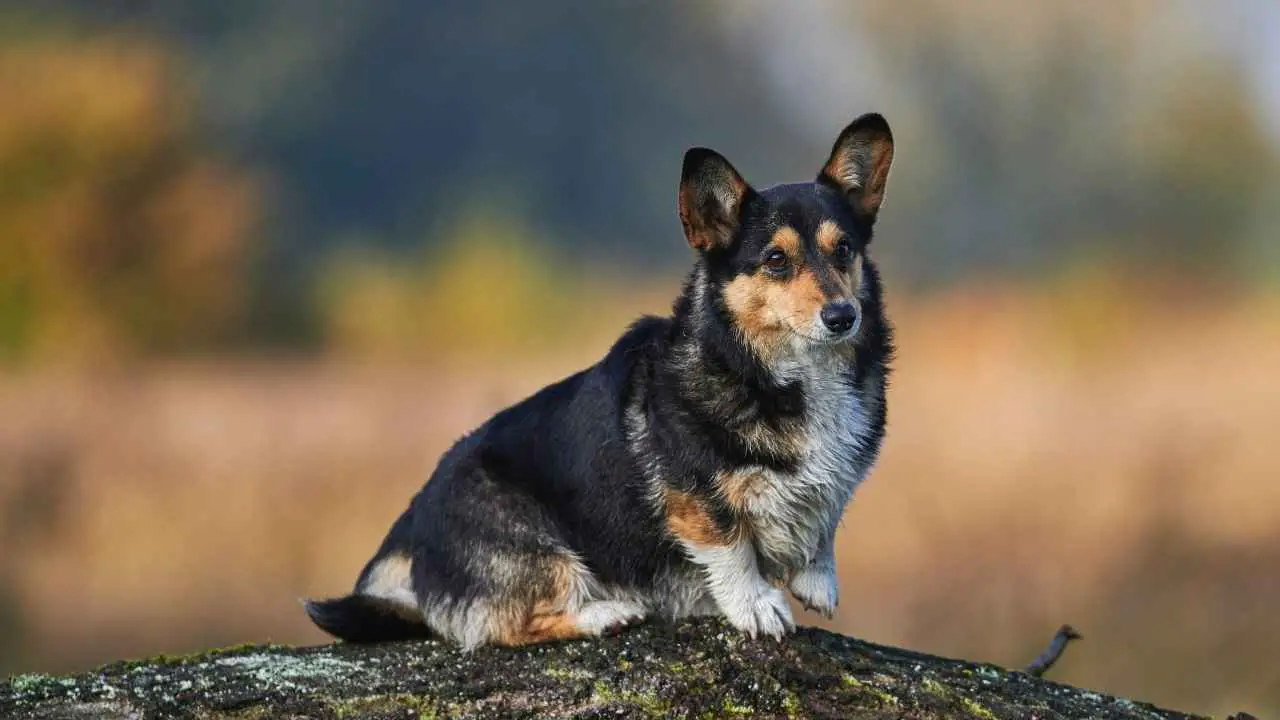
(792, 513)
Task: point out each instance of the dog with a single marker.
(700, 468)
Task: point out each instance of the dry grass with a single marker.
(1042, 466)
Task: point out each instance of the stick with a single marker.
(1057, 646)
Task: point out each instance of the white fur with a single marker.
(391, 580)
(816, 585)
(747, 601)
(594, 618)
(791, 517)
(730, 582)
(468, 623)
(795, 515)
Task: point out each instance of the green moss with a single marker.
(976, 709)
(375, 704)
(870, 690)
(972, 707)
(648, 703)
(563, 673)
(164, 659)
(242, 647)
(791, 704)
(603, 692)
(30, 682)
(886, 698)
(651, 671)
(933, 687)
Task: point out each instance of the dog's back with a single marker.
(514, 515)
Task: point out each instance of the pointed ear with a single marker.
(711, 197)
(860, 162)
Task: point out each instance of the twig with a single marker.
(1057, 646)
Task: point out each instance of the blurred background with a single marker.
(261, 263)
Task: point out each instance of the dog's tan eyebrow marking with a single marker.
(788, 241)
(828, 235)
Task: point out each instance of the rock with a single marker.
(696, 669)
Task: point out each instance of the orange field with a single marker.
(1052, 457)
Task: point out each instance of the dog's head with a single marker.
(788, 264)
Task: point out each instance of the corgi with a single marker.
(700, 468)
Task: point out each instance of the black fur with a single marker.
(566, 474)
(362, 619)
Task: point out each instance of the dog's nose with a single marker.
(838, 316)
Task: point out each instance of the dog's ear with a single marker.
(712, 194)
(859, 164)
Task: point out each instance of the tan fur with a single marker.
(827, 236)
(783, 442)
(855, 276)
(544, 628)
(788, 241)
(845, 279)
(746, 298)
(392, 580)
(865, 185)
(766, 310)
(544, 623)
(565, 578)
(738, 488)
(546, 615)
(873, 196)
(688, 520)
(392, 573)
(704, 230)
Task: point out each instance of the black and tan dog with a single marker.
(699, 468)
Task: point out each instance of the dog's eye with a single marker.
(844, 251)
(775, 260)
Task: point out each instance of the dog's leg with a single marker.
(815, 584)
(730, 569)
(748, 602)
(591, 620)
(601, 616)
(567, 607)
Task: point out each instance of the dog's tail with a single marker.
(364, 619)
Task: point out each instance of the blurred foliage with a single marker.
(120, 235)
(483, 289)
(1034, 139)
(487, 288)
(1041, 135)
(378, 118)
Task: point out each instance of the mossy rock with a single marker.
(696, 669)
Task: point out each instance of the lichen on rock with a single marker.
(695, 669)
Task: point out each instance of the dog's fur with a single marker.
(699, 468)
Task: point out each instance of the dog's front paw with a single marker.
(817, 589)
(766, 613)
